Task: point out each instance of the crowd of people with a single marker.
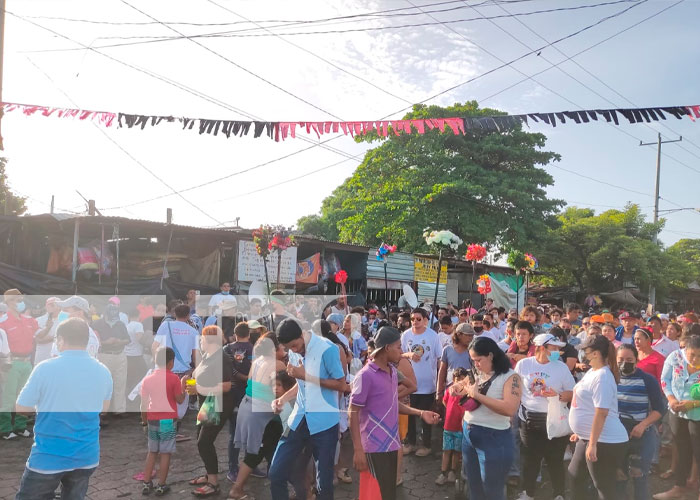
(297, 382)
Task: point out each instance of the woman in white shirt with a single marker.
(601, 439)
(493, 399)
(544, 375)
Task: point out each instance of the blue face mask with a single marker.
(62, 316)
(21, 306)
(225, 292)
(547, 326)
(554, 355)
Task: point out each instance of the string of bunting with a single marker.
(280, 131)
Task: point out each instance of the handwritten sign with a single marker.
(251, 266)
(425, 270)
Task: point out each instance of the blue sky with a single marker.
(653, 64)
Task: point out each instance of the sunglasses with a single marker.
(417, 319)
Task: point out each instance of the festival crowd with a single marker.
(297, 381)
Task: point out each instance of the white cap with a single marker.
(548, 339)
(75, 301)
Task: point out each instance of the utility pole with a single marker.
(659, 142)
(2, 52)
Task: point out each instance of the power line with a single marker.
(123, 150)
(368, 82)
(246, 33)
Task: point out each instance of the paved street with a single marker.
(124, 449)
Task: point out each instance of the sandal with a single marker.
(343, 476)
(245, 496)
(667, 474)
(207, 490)
(198, 481)
(161, 490)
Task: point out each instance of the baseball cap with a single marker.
(597, 318)
(336, 318)
(609, 318)
(385, 336)
(115, 300)
(465, 329)
(547, 339)
(13, 292)
(253, 324)
(74, 301)
(51, 300)
(626, 315)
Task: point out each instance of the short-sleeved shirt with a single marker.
(359, 344)
(182, 338)
(214, 369)
(638, 395)
(454, 413)
(241, 354)
(665, 345)
(427, 344)
(315, 403)
(455, 360)
(219, 298)
(538, 377)
(160, 388)
(106, 331)
(20, 332)
(135, 347)
(653, 365)
(597, 389)
(376, 392)
(68, 393)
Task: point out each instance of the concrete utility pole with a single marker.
(2, 52)
(659, 142)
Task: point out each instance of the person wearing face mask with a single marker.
(19, 330)
(543, 376)
(640, 404)
(219, 297)
(681, 372)
(601, 439)
(113, 339)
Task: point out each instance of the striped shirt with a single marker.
(638, 395)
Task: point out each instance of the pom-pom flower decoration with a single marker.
(385, 251)
(484, 284)
(475, 253)
(262, 237)
(531, 262)
(281, 239)
(443, 240)
(341, 277)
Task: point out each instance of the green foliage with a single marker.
(517, 260)
(686, 253)
(602, 252)
(15, 204)
(481, 186)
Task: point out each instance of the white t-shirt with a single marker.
(428, 345)
(219, 298)
(665, 345)
(445, 339)
(185, 339)
(44, 351)
(491, 334)
(597, 389)
(538, 377)
(92, 348)
(135, 347)
(4, 345)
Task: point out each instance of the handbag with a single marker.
(471, 404)
(557, 418)
(207, 415)
(535, 421)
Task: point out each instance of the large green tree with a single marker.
(15, 204)
(485, 187)
(687, 251)
(600, 253)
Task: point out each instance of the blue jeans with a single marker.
(233, 452)
(487, 455)
(288, 453)
(36, 486)
(638, 462)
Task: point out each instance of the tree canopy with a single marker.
(600, 253)
(15, 204)
(484, 187)
(687, 252)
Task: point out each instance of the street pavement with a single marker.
(123, 445)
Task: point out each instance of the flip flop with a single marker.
(139, 476)
(181, 437)
(198, 481)
(200, 493)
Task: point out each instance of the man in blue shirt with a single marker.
(315, 362)
(67, 393)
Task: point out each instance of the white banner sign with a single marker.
(251, 266)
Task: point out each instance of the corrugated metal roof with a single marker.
(426, 292)
(399, 266)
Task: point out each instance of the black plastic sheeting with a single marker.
(34, 283)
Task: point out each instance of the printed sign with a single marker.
(252, 268)
(425, 270)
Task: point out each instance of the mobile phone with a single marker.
(470, 374)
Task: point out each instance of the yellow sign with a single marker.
(425, 270)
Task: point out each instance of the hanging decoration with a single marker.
(475, 253)
(532, 263)
(341, 277)
(280, 131)
(383, 253)
(282, 239)
(262, 238)
(517, 261)
(484, 284)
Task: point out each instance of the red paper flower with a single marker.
(475, 252)
(341, 277)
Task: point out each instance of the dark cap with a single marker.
(596, 342)
(386, 335)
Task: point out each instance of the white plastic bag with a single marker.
(557, 418)
(355, 366)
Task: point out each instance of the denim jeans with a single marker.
(487, 455)
(233, 452)
(639, 458)
(36, 486)
(288, 453)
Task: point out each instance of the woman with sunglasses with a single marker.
(601, 439)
